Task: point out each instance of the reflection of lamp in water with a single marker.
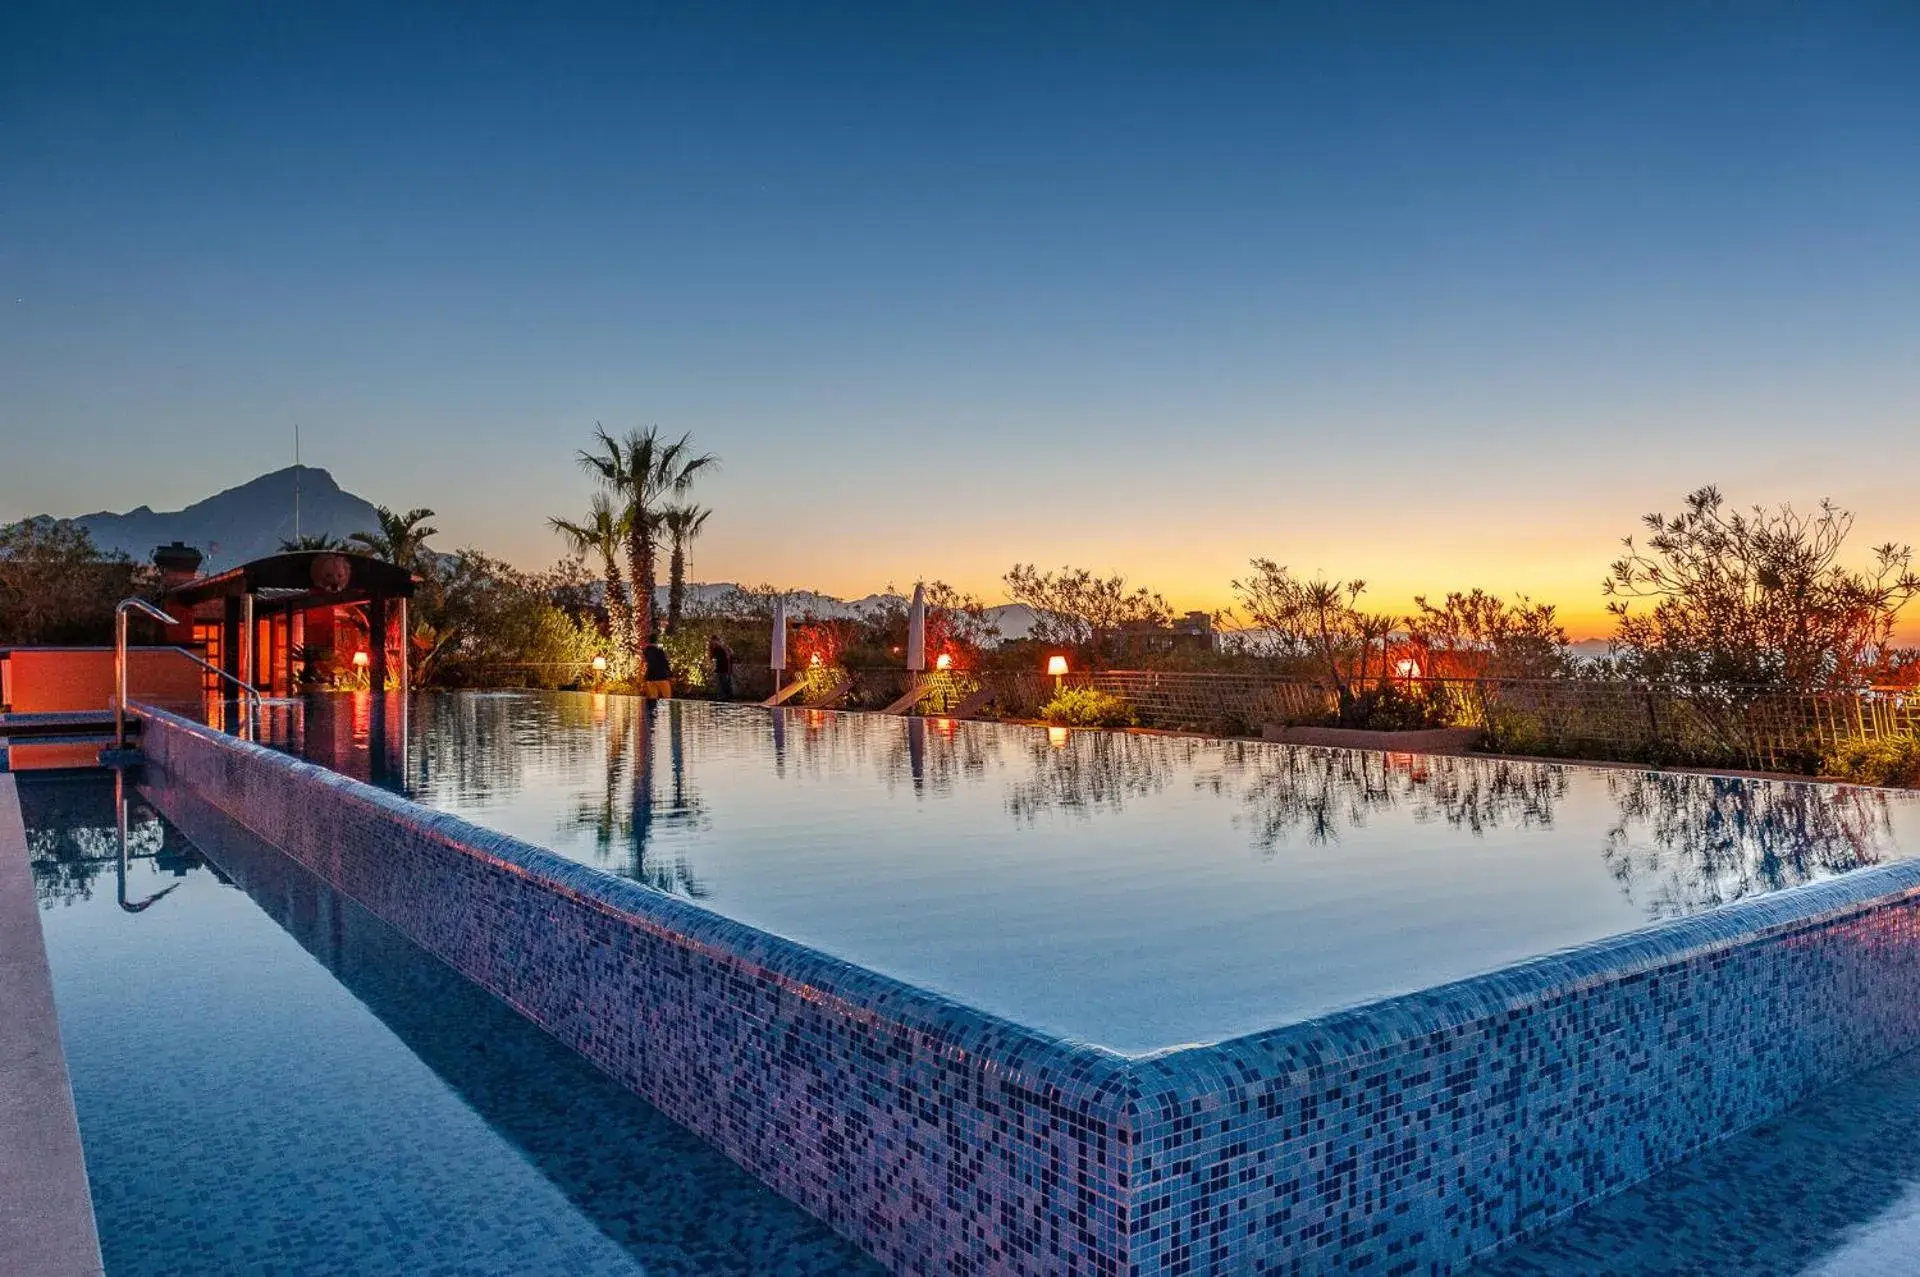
(1057, 736)
(943, 662)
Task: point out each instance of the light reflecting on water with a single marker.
(1130, 889)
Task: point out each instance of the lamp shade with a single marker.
(1056, 665)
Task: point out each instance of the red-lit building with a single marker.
(261, 622)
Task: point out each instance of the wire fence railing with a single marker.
(1759, 728)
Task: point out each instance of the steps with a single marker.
(57, 741)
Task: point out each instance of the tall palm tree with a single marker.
(682, 524)
(400, 539)
(602, 533)
(643, 472)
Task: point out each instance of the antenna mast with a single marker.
(296, 483)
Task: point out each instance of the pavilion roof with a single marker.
(300, 578)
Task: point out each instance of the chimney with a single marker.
(178, 564)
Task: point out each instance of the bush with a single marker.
(686, 650)
(1088, 707)
(1891, 760)
(1389, 707)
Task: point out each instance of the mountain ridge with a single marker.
(234, 525)
(250, 520)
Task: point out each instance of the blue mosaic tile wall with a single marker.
(1404, 1137)
(936, 1137)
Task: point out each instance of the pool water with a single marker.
(1136, 891)
(270, 1080)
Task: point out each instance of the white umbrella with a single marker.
(778, 659)
(917, 630)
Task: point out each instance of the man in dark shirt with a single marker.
(722, 657)
(656, 670)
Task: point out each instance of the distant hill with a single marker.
(239, 524)
(250, 521)
(1014, 620)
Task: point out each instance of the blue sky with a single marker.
(1437, 295)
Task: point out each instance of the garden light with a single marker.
(599, 665)
(361, 660)
(943, 662)
(1057, 666)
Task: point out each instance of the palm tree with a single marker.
(400, 539)
(683, 524)
(602, 533)
(642, 472)
(311, 541)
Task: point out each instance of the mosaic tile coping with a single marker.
(1167, 1211)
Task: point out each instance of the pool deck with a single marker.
(46, 1210)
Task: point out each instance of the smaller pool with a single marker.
(271, 1080)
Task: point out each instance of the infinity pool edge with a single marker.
(1429, 1127)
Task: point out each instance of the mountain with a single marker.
(239, 524)
(250, 521)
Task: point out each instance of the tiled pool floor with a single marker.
(1832, 1189)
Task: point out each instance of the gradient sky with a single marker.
(1437, 295)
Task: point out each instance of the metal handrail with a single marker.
(248, 688)
(120, 665)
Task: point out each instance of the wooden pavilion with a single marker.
(254, 620)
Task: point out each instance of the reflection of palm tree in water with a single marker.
(633, 728)
(1690, 842)
(1322, 792)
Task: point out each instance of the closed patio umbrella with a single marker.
(778, 658)
(917, 630)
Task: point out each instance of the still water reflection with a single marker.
(1136, 890)
(271, 1080)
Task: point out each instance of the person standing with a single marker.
(656, 670)
(721, 657)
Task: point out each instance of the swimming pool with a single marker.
(1140, 892)
(270, 1079)
(782, 930)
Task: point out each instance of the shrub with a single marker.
(1890, 760)
(1088, 707)
(686, 651)
(1389, 707)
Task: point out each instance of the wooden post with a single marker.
(249, 640)
(377, 642)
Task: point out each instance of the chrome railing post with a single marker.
(120, 660)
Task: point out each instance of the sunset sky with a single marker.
(1436, 295)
